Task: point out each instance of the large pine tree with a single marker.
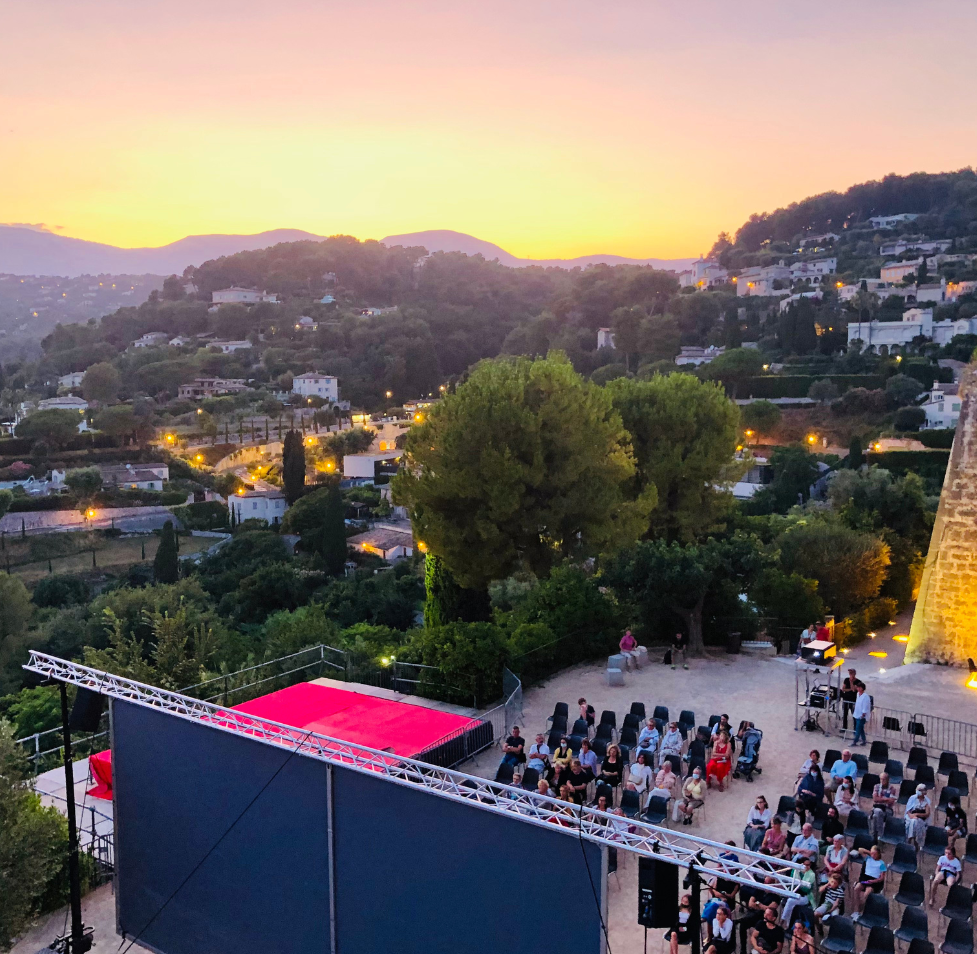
(166, 564)
(293, 467)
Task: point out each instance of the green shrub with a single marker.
(798, 385)
(941, 439)
(61, 590)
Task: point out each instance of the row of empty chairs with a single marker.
(840, 939)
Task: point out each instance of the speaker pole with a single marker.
(695, 884)
(77, 944)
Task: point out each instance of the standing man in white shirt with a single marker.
(861, 712)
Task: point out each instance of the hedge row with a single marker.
(797, 385)
(940, 439)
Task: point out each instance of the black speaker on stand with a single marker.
(657, 893)
(86, 713)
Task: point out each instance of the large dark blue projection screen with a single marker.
(413, 873)
(419, 874)
(179, 786)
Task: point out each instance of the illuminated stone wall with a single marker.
(945, 621)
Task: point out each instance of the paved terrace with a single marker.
(761, 689)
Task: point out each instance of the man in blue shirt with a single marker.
(843, 768)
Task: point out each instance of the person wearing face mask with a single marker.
(693, 797)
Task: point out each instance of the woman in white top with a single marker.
(722, 933)
(639, 776)
(757, 823)
(671, 743)
(845, 798)
(947, 871)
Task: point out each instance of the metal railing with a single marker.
(44, 749)
(904, 730)
(484, 731)
(636, 835)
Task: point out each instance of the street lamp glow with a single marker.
(200, 410)
(199, 458)
(389, 394)
(90, 513)
(812, 438)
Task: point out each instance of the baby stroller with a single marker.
(746, 764)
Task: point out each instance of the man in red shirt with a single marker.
(823, 632)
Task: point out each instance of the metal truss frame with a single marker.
(611, 831)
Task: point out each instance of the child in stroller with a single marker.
(746, 764)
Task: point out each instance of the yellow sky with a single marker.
(551, 128)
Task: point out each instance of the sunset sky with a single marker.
(551, 128)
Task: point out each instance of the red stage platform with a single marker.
(396, 727)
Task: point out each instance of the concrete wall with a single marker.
(945, 622)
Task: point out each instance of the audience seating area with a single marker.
(905, 917)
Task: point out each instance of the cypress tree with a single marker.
(293, 466)
(855, 456)
(332, 543)
(166, 565)
(446, 601)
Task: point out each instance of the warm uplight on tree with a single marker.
(812, 438)
(310, 441)
(199, 458)
(422, 546)
(418, 417)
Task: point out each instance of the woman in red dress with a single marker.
(720, 763)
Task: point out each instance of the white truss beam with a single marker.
(595, 826)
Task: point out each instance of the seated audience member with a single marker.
(918, 810)
(775, 840)
(806, 846)
(649, 739)
(833, 825)
(801, 939)
(539, 755)
(587, 712)
(872, 877)
(768, 936)
(843, 768)
(628, 643)
(563, 754)
(588, 757)
(813, 758)
(721, 762)
(667, 779)
(619, 826)
(757, 902)
(681, 933)
(836, 859)
(721, 936)
(956, 820)
(577, 780)
(601, 804)
(558, 775)
(884, 797)
(845, 797)
(808, 889)
(639, 777)
(693, 794)
(757, 823)
(722, 726)
(832, 899)
(513, 748)
(696, 751)
(722, 889)
(543, 788)
(672, 742)
(810, 793)
(948, 870)
(612, 768)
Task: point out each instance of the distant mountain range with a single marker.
(444, 240)
(30, 251)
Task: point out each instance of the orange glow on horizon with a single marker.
(550, 130)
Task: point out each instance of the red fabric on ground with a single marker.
(100, 765)
(397, 727)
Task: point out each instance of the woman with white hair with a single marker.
(918, 810)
